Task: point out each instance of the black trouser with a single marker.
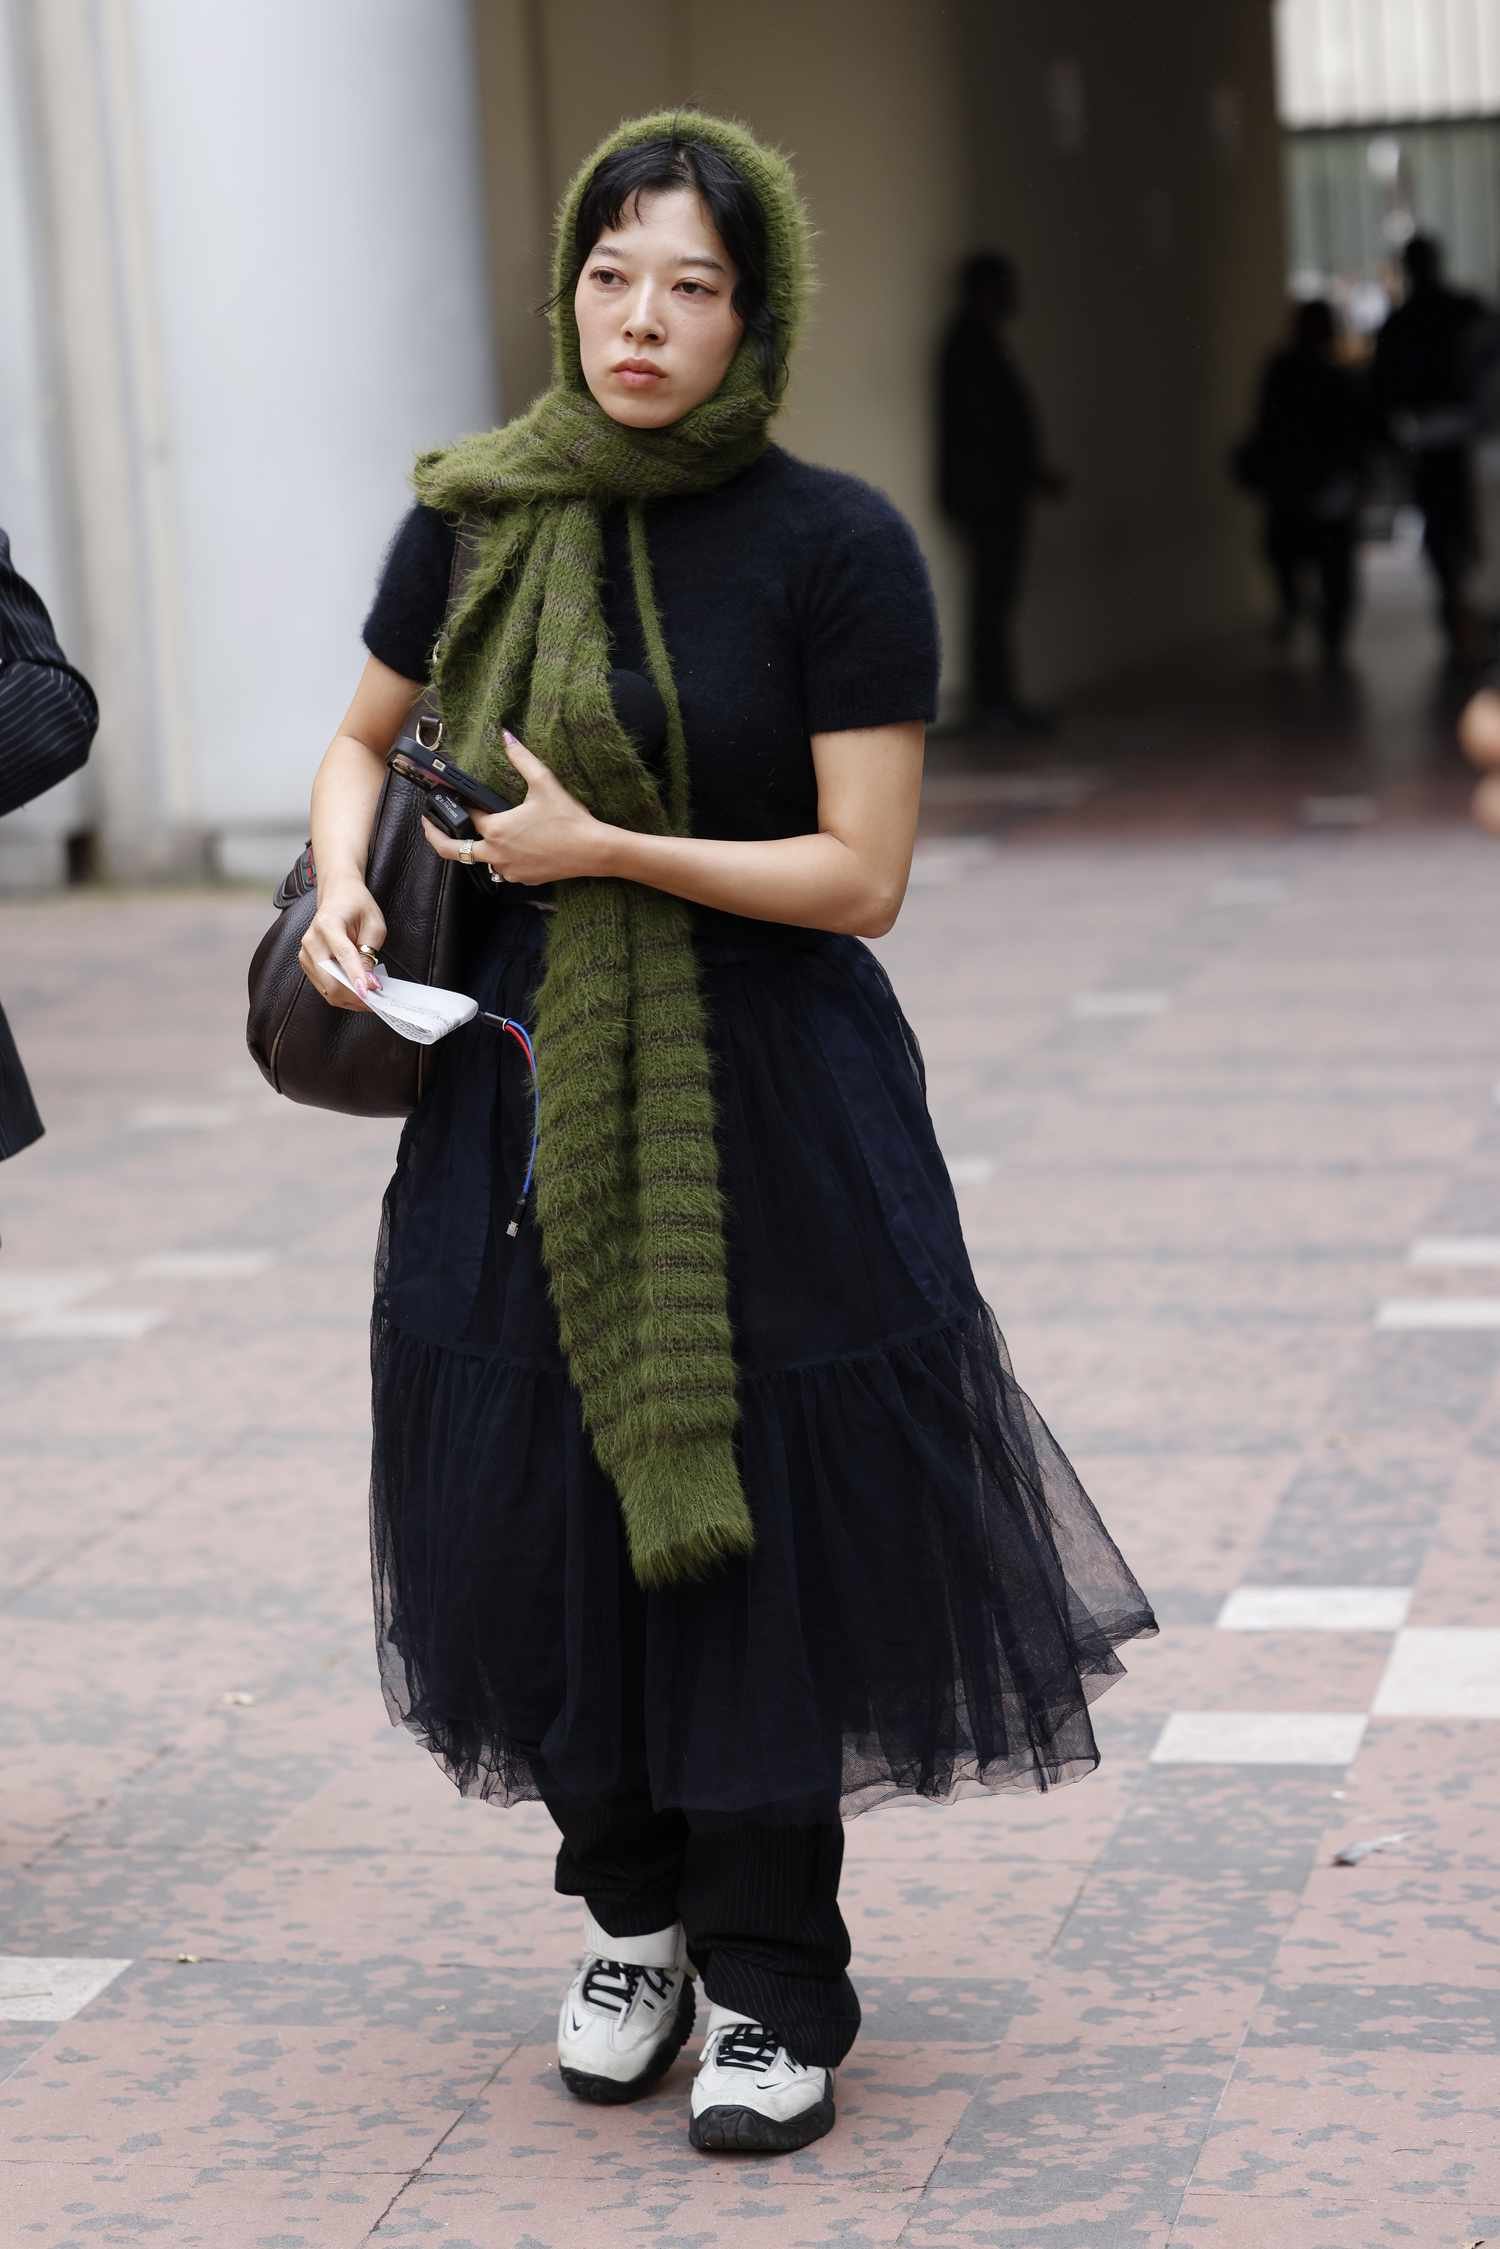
(1296, 541)
(997, 567)
(759, 1906)
(1443, 488)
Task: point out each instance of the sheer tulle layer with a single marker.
(932, 1603)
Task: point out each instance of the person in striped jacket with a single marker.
(47, 720)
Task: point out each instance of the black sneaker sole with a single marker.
(744, 2131)
(610, 2092)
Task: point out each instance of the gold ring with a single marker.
(369, 952)
(466, 851)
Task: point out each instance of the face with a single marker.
(656, 293)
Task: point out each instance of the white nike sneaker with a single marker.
(750, 2097)
(627, 2014)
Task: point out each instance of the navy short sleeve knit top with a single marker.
(794, 600)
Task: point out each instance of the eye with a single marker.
(604, 273)
(697, 287)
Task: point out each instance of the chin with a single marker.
(640, 413)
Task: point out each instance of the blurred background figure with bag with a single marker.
(48, 716)
(1424, 379)
(1308, 459)
(992, 469)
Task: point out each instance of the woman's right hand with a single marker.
(347, 918)
(346, 794)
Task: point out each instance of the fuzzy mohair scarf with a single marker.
(627, 1183)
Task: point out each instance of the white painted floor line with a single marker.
(1455, 1249)
(122, 1324)
(204, 1264)
(941, 863)
(26, 1290)
(1315, 1608)
(1441, 1671)
(1338, 811)
(1091, 1006)
(1249, 890)
(1439, 1312)
(971, 1171)
(47, 1990)
(180, 1116)
(1260, 1737)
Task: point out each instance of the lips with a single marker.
(637, 367)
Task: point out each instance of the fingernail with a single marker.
(505, 730)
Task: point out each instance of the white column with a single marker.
(277, 285)
(33, 497)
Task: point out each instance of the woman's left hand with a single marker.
(547, 837)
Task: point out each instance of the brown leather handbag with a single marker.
(342, 1058)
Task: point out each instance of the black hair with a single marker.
(1315, 326)
(1423, 260)
(673, 162)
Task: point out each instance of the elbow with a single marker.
(877, 913)
(74, 717)
(76, 753)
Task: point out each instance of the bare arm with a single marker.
(345, 793)
(851, 875)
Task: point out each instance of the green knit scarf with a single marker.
(627, 1183)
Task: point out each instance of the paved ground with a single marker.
(1208, 1004)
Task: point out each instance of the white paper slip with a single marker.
(424, 1012)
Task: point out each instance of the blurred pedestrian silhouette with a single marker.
(1308, 459)
(47, 721)
(1424, 377)
(992, 469)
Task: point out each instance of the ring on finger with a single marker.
(466, 851)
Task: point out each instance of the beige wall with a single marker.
(1152, 252)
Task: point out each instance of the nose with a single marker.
(642, 316)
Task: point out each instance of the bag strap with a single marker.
(302, 876)
(425, 724)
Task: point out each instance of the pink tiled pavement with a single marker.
(1398, 2129)
(1324, 2220)
(900, 2105)
(176, 2206)
(1143, 2012)
(1380, 1923)
(1430, 1781)
(728, 2204)
(351, 2101)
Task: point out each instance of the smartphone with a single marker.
(451, 794)
(432, 771)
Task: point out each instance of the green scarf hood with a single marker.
(628, 1193)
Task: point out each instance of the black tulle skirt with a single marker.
(932, 1602)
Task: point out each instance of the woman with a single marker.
(48, 718)
(1309, 457)
(704, 1505)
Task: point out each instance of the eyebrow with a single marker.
(613, 250)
